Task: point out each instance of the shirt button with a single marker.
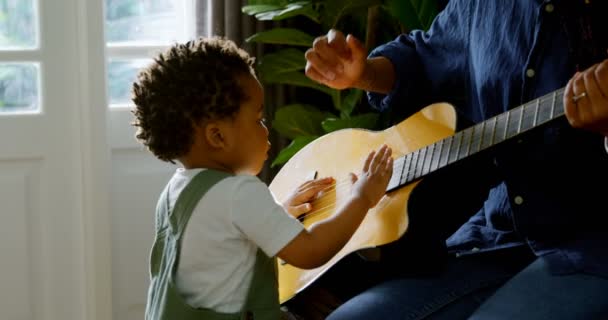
(518, 200)
(549, 8)
(530, 73)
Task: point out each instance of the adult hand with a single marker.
(336, 61)
(298, 202)
(586, 99)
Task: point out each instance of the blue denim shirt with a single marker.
(486, 57)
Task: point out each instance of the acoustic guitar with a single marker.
(422, 144)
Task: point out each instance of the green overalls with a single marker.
(164, 302)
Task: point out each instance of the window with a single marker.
(136, 30)
(19, 57)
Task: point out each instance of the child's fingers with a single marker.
(379, 159)
(301, 209)
(389, 165)
(312, 188)
(353, 178)
(368, 161)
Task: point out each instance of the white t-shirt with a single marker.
(219, 246)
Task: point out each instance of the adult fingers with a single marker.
(337, 41)
(356, 48)
(317, 68)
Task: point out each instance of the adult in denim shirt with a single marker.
(536, 247)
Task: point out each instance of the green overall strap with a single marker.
(263, 296)
(164, 302)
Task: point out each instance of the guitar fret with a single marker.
(397, 173)
(506, 126)
(493, 131)
(528, 118)
(454, 156)
(406, 169)
(437, 155)
(514, 122)
(427, 160)
(545, 111)
(479, 145)
(536, 107)
(471, 141)
(420, 163)
(553, 105)
(521, 116)
(488, 134)
(448, 149)
(464, 148)
(412, 172)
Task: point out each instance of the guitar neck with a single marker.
(476, 138)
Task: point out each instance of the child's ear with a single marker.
(214, 135)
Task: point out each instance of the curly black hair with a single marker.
(185, 85)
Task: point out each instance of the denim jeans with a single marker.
(484, 286)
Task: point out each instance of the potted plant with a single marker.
(374, 21)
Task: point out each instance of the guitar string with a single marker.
(326, 202)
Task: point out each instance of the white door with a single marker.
(135, 30)
(52, 166)
(77, 191)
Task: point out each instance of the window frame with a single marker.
(140, 50)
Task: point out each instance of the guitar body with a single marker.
(337, 154)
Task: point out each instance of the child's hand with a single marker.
(373, 180)
(299, 202)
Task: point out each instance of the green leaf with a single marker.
(288, 60)
(296, 120)
(296, 79)
(285, 36)
(350, 102)
(292, 149)
(281, 3)
(364, 121)
(413, 14)
(332, 11)
(259, 8)
(304, 8)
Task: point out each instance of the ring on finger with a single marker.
(576, 98)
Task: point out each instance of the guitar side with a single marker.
(337, 154)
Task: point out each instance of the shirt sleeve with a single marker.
(429, 65)
(606, 144)
(256, 213)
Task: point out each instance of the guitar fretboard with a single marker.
(476, 138)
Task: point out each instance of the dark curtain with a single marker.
(224, 18)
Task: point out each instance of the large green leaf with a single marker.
(285, 36)
(297, 79)
(271, 65)
(292, 149)
(296, 120)
(280, 3)
(267, 12)
(349, 103)
(259, 8)
(364, 121)
(413, 14)
(333, 10)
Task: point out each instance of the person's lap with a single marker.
(491, 287)
(455, 293)
(536, 294)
